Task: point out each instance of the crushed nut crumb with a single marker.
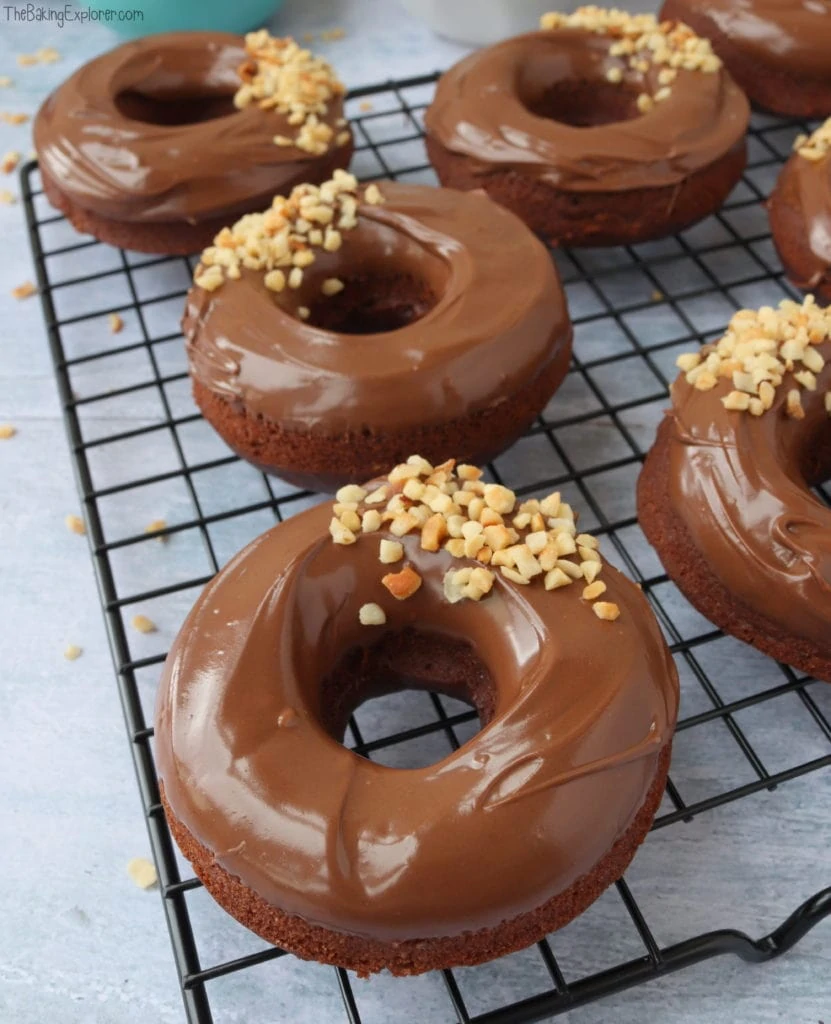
(23, 291)
(142, 624)
(816, 146)
(402, 584)
(6, 197)
(10, 161)
(606, 610)
(73, 652)
(26, 60)
(760, 350)
(116, 323)
(7, 431)
(75, 524)
(460, 514)
(641, 42)
(371, 614)
(10, 118)
(142, 872)
(5, 82)
(156, 526)
(280, 75)
(282, 241)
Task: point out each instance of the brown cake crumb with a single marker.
(280, 75)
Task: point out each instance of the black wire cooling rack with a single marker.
(140, 450)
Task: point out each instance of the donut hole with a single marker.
(373, 304)
(169, 109)
(583, 104)
(408, 659)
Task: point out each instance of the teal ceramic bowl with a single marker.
(133, 18)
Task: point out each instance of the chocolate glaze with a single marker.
(738, 482)
(812, 181)
(531, 803)
(480, 111)
(499, 320)
(790, 35)
(133, 170)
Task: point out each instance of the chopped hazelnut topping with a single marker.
(424, 499)
(760, 352)
(606, 610)
(26, 60)
(815, 147)
(282, 76)
(7, 198)
(73, 652)
(116, 323)
(282, 241)
(13, 118)
(391, 551)
(23, 291)
(7, 431)
(142, 624)
(142, 873)
(75, 524)
(402, 584)
(5, 82)
(371, 614)
(641, 42)
(47, 55)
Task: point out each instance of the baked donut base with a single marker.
(790, 236)
(690, 571)
(325, 462)
(365, 956)
(564, 217)
(174, 238)
(766, 87)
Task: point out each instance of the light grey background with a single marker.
(79, 943)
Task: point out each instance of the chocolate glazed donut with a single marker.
(450, 335)
(587, 144)
(777, 50)
(800, 213)
(144, 148)
(346, 861)
(725, 498)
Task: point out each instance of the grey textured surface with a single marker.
(79, 943)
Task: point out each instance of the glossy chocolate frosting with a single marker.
(789, 35)
(811, 181)
(120, 167)
(500, 318)
(480, 111)
(738, 482)
(528, 805)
